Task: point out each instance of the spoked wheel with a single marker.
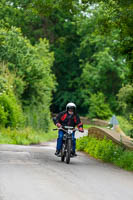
(68, 152)
(63, 153)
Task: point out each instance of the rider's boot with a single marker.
(57, 153)
(73, 153)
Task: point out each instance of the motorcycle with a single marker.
(66, 150)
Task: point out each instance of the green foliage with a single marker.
(31, 65)
(11, 113)
(82, 143)
(25, 136)
(117, 15)
(66, 68)
(125, 160)
(38, 117)
(103, 69)
(98, 107)
(107, 151)
(131, 118)
(125, 99)
(82, 38)
(3, 116)
(103, 150)
(126, 125)
(92, 44)
(39, 19)
(32, 79)
(10, 109)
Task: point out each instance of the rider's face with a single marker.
(70, 111)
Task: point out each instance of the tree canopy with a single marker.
(87, 46)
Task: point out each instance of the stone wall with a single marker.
(96, 122)
(116, 137)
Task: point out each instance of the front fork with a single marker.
(66, 143)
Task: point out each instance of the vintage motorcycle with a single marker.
(66, 150)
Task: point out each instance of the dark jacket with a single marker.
(65, 119)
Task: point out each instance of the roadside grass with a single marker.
(26, 136)
(86, 126)
(107, 151)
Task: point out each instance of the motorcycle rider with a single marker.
(67, 118)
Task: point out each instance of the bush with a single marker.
(3, 116)
(98, 107)
(10, 111)
(125, 125)
(125, 160)
(107, 151)
(102, 149)
(125, 100)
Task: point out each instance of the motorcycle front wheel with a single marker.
(63, 153)
(68, 151)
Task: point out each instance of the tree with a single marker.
(31, 66)
(55, 22)
(92, 45)
(104, 68)
(116, 15)
(98, 107)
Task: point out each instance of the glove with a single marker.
(58, 125)
(81, 130)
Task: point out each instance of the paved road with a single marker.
(34, 173)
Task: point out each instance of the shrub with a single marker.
(82, 142)
(10, 112)
(107, 151)
(125, 125)
(102, 149)
(98, 107)
(125, 100)
(3, 116)
(125, 160)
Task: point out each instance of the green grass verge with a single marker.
(26, 136)
(86, 126)
(107, 151)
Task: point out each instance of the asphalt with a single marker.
(35, 173)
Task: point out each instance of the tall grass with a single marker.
(25, 136)
(107, 151)
(37, 118)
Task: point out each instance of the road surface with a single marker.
(34, 173)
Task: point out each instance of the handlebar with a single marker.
(61, 128)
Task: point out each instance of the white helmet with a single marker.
(71, 105)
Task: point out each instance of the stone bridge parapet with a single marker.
(116, 137)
